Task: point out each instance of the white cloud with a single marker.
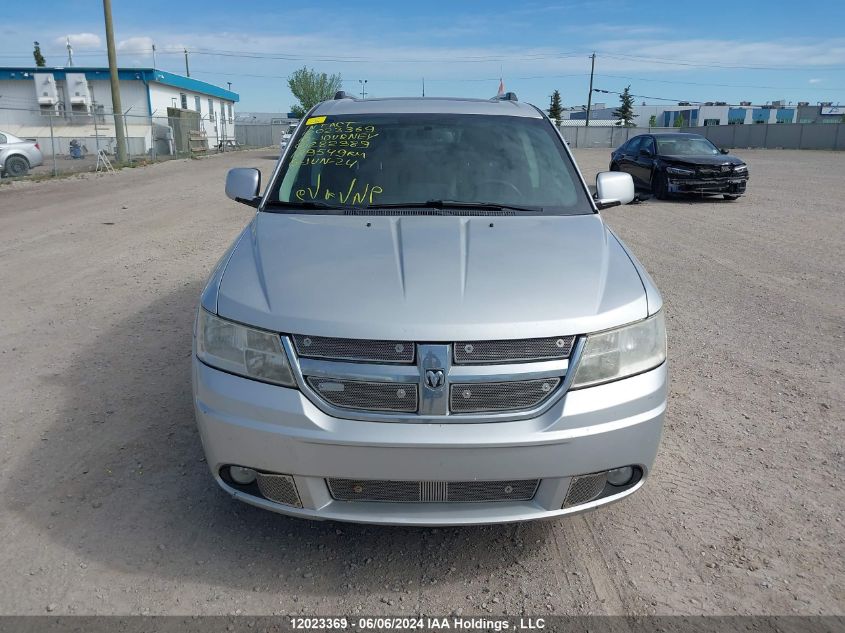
(815, 81)
(141, 44)
(79, 40)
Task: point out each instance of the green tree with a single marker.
(625, 111)
(555, 108)
(39, 58)
(679, 121)
(311, 87)
(652, 121)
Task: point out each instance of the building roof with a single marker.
(146, 75)
(427, 105)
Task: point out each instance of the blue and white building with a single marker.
(695, 115)
(77, 102)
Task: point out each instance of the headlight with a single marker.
(622, 352)
(679, 171)
(741, 169)
(242, 350)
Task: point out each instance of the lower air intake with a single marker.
(279, 488)
(432, 491)
(584, 489)
(480, 397)
(368, 396)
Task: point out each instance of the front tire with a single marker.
(660, 186)
(730, 196)
(16, 166)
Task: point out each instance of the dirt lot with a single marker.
(107, 506)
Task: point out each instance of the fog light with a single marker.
(620, 476)
(241, 475)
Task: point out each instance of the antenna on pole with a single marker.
(69, 52)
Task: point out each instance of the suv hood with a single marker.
(431, 278)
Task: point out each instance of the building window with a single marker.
(785, 115)
(184, 98)
(229, 106)
(711, 121)
(197, 106)
(736, 116)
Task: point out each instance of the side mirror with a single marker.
(243, 185)
(724, 151)
(613, 188)
(646, 152)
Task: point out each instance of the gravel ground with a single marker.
(108, 508)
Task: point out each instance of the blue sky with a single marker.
(728, 51)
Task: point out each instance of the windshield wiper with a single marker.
(284, 204)
(456, 204)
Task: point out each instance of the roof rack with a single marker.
(340, 94)
(508, 96)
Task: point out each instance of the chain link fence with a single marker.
(821, 136)
(78, 143)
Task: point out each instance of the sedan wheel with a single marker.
(659, 186)
(16, 166)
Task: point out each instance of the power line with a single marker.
(699, 83)
(687, 101)
(683, 62)
(325, 58)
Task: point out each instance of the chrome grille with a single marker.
(477, 397)
(354, 349)
(584, 489)
(432, 491)
(515, 350)
(368, 396)
(278, 488)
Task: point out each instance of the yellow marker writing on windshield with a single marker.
(315, 119)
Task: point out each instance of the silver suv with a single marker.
(427, 322)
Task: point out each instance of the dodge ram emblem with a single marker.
(435, 378)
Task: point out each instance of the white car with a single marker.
(18, 156)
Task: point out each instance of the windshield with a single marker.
(685, 146)
(397, 159)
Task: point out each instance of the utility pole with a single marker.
(187, 69)
(69, 53)
(423, 86)
(363, 83)
(590, 94)
(154, 56)
(119, 134)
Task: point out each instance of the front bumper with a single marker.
(279, 430)
(732, 186)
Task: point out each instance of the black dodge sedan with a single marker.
(680, 163)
